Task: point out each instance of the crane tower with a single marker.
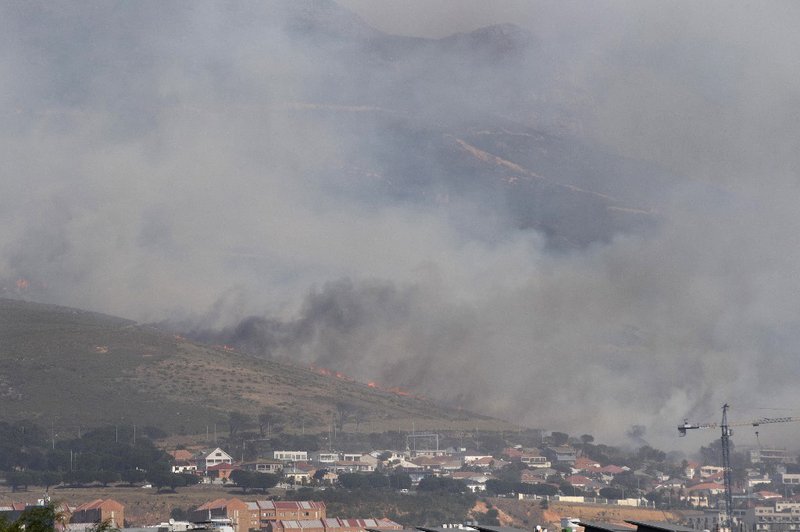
(725, 443)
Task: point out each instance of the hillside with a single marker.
(67, 368)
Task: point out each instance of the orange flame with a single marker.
(396, 390)
(23, 284)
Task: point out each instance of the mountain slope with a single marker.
(66, 368)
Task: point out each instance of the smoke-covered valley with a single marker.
(583, 221)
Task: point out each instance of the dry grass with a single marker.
(69, 369)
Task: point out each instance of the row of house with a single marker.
(86, 514)
(699, 485)
(283, 516)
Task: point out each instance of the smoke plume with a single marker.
(579, 217)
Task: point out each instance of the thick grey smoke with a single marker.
(586, 221)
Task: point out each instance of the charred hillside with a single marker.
(66, 368)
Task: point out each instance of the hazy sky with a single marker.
(208, 163)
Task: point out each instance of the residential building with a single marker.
(439, 463)
(535, 461)
(773, 518)
(578, 481)
(710, 470)
(235, 510)
(213, 457)
(11, 511)
(691, 469)
(583, 464)
(562, 454)
(471, 457)
(325, 457)
(297, 475)
(255, 515)
(754, 478)
(263, 466)
(184, 466)
(704, 520)
(707, 488)
(332, 525)
(537, 476)
(429, 452)
(262, 513)
(774, 456)
(290, 456)
(347, 466)
(100, 510)
(221, 472)
(369, 459)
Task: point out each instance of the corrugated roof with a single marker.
(211, 505)
(91, 505)
(641, 526)
(591, 526)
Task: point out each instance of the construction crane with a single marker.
(725, 441)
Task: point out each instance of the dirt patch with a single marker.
(529, 513)
(503, 517)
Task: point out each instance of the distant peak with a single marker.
(498, 38)
(326, 16)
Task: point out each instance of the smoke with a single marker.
(586, 223)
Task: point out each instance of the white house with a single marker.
(291, 456)
(208, 459)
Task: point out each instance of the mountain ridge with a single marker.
(69, 368)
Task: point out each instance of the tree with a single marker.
(490, 518)
(384, 456)
(133, 476)
(242, 478)
(611, 493)
(38, 519)
(559, 438)
(544, 490)
(236, 422)
(264, 481)
(352, 481)
(106, 477)
(50, 478)
(189, 479)
(268, 420)
(445, 484)
(500, 487)
(17, 479)
(79, 477)
(103, 526)
(164, 479)
(343, 412)
(377, 480)
(400, 481)
(586, 439)
(649, 454)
